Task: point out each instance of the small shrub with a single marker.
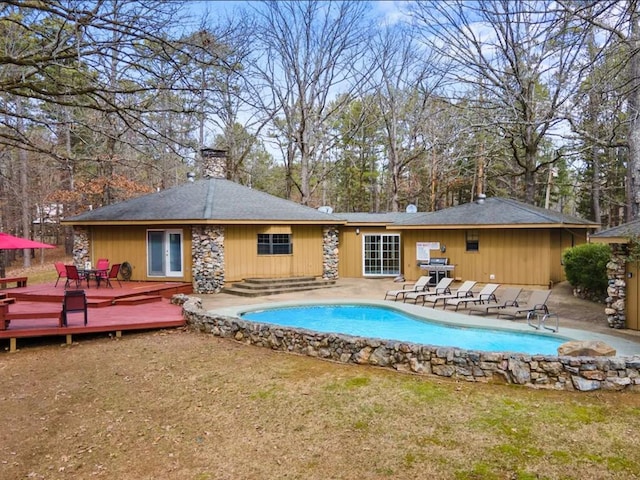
(586, 266)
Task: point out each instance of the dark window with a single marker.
(274, 244)
(473, 240)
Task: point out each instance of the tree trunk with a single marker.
(24, 192)
(633, 194)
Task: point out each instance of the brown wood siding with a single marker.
(350, 253)
(129, 244)
(242, 259)
(512, 256)
(561, 240)
(506, 256)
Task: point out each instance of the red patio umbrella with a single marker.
(9, 242)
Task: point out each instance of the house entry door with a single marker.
(381, 254)
(164, 253)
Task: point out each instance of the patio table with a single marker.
(97, 273)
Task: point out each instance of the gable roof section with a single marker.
(212, 200)
(620, 234)
(494, 212)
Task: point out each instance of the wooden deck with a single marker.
(132, 306)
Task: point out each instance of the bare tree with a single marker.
(310, 52)
(404, 81)
(620, 23)
(522, 55)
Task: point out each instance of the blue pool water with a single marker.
(386, 323)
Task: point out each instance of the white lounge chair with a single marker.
(441, 288)
(486, 295)
(509, 298)
(462, 292)
(537, 303)
(421, 285)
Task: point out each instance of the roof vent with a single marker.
(481, 198)
(411, 208)
(326, 209)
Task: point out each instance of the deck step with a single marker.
(137, 300)
(257, 287)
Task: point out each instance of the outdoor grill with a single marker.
(438, 268)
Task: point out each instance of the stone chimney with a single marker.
(214, 163)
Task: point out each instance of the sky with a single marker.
(389, 10)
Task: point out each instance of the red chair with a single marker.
(102, 269)
(113, 274)
(74, 301)
(74, 276)
(62, 271)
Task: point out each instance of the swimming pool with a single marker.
(390, 324)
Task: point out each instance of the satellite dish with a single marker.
(325, 209)
(411, 208)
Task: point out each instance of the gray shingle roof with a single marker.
(376, 218)
(626, 230)
(495, 211)
(205, 200)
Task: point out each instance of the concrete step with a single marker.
(262, 287)
(251, 284)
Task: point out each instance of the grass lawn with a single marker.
(183, 405)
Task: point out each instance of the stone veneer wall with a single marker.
(330, 251)
(617, 289)
(81, 246)
(207, 250)
(536, 371)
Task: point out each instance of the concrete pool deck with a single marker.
(579, 319)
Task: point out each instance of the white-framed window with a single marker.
(381, 254)
(164, 253)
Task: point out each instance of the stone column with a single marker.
(330, 240)
(617, 289)
(207, 252)
(81, 246)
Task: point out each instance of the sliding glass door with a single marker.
(381, 254)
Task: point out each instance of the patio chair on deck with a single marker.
(508, 299)
(421, 285)
(487, 294)
(102, 264)
(61, 270)
(102, 269)
(74, 301)
(73, 275)
(113, 274)
(537, 303)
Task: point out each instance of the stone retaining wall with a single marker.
(537, 371)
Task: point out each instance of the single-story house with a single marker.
(213, 231)
(623, 309)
